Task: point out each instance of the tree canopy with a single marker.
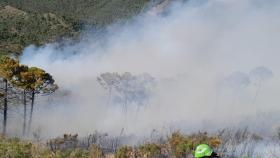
(8, 68)
(27, 78)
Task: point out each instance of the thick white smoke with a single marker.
(216, 64)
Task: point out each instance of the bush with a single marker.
(149, 150)
(96, 152)
(13, 148)
(125, 152)
(181, 145)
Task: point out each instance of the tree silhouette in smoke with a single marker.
(109, 81)
(235, 83)
(258, 76)
(127, 88)
(238, 80)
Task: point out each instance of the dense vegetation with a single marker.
(19, 29)
(177, 146)
(226, 143)
(15, 148)
(25, 22)
(94, 11)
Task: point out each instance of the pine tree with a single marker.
(31, 80)
(8, 68)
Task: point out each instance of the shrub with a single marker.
(13, 148)
(181, 145)
(125, 152)
(149, 150)
(96, 152)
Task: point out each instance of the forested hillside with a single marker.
(19, 29)
(25, 22)
(94, 11)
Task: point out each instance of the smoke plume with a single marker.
(215, 64)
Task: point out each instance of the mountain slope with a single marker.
(25, 22)
(19, 29)
(94, 11)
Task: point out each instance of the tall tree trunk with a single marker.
(125, 104)
(109, 97)
(256, 93)
(24, 114)
(5, 107)
(31, 110)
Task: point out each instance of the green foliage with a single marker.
(19, 29)
(75, 153)
(25, 22)
(14, 148)
(98, 12)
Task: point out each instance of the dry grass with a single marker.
(228, 143)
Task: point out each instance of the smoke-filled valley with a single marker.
(185, 65)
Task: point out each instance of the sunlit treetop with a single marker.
(36, 79)
(8, 68)
(27, 78)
